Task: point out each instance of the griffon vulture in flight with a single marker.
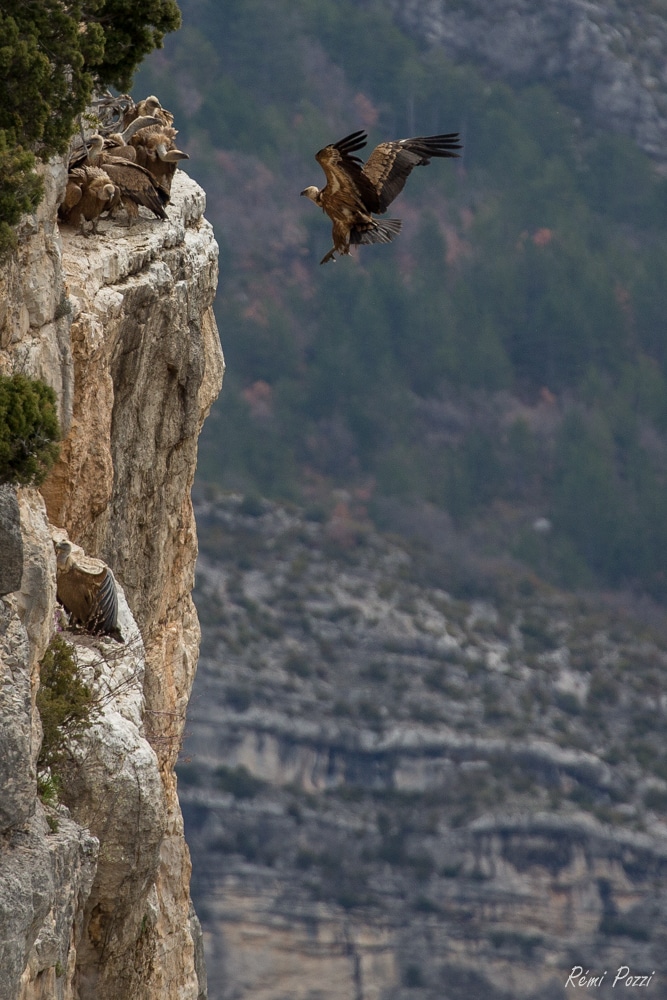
(354, 189)
(87, 589)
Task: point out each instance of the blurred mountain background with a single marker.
(505, 359)
(466, 428)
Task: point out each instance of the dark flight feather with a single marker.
(355, 190)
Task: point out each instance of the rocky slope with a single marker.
(394, 792)
(94, 888)
(606, 59)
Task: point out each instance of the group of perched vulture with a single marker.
(128, 162)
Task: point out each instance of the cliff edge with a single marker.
(94, 889)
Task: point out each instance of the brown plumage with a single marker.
(136, 187)
(115, 143)
(354, 190)
(76, 180)
(149, 106)
(87, 589)
(135, 184)
(155, 149)
(90, 191)
(135, 148)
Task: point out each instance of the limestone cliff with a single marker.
(605, 59)
(395, 792)
(94, 892)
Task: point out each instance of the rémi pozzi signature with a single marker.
(581, 978)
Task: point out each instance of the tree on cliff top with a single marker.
(51, 57)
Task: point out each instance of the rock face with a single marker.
(11, 543)
(607, 59)
(393, 792)
(94, 888)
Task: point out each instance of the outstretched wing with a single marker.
(338, 162)
(390, 164)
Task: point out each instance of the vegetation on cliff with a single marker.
(51, 58)
(29, 430)
(65, 703)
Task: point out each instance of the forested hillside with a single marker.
(504, 361)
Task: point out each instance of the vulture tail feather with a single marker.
(105, 612)
(380, 232)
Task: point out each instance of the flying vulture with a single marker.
(354, 189)
(87, 589)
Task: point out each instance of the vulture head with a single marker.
(313, 193)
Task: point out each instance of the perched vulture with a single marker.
(135, 183)
(149, 106)
(135, 149)
(90, 191)
(113, 143)
(156, 150)
(87, 589)
(354, 189)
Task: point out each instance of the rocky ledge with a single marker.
(94, 882)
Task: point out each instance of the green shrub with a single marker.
(66, 705)
(28, 430)
(413, 976)
(20, 189)
(52, 55)
(48, 788)
(52, 822)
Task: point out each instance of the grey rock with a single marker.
(393, 792)
(123, 930)
(200, 964)
(605, 60)
(17, 776)
(11, 543)
(46, 871)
